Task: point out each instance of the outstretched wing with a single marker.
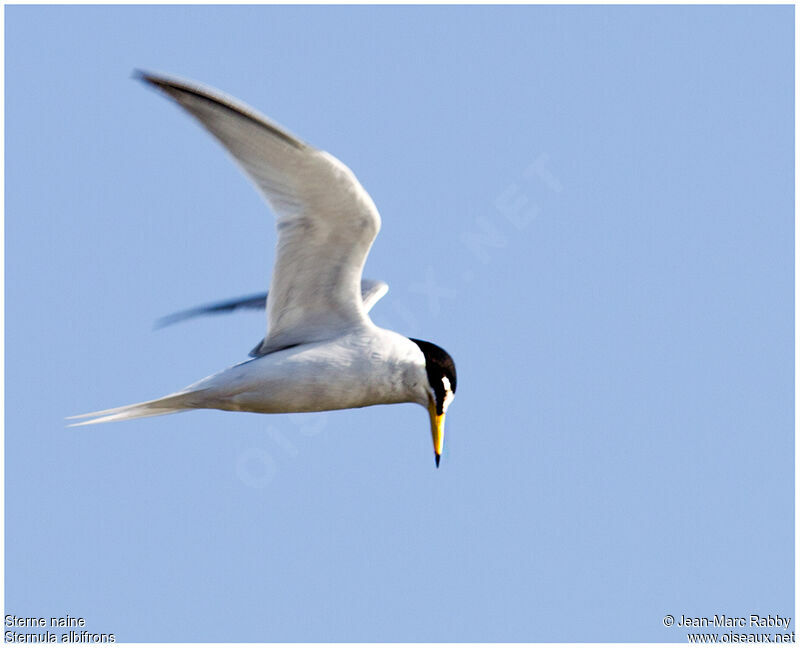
(251, 302)
(371, 292)
(326, 220)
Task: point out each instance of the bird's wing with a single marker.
(371, 292)
(255, 302)
(326, 221)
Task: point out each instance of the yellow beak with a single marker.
(437, 431)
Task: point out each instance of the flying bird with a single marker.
(321, 350)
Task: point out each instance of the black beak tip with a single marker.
(438, 458)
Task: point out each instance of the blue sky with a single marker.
(590, 208)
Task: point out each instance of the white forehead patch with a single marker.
(448, 393)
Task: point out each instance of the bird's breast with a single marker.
(356, 370)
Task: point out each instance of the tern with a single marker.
(321, 350)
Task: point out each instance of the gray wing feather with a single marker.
(255, 302)
(371, 291)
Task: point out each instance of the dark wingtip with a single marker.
(163, 322)
(438, 458)
(151, 79)
(141, 75)
(174, 318)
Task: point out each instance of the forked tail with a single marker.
(167, 405)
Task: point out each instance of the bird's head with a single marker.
(441, 371)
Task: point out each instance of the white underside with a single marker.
(365, 366)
